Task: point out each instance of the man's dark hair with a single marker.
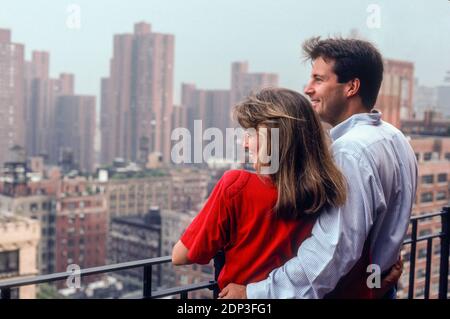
(352, 59)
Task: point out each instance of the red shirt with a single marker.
(238, 217)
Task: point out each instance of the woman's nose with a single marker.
(245, 141)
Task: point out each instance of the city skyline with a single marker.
(203, 59)
(92, 96)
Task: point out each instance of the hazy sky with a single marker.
(210, 34)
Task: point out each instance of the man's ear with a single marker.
(352, 88)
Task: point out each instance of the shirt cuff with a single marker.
(257, 290)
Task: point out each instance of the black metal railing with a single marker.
(444, 253)
(147, 264)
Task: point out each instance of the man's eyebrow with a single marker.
(315, 75)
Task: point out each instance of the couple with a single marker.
(313, 228)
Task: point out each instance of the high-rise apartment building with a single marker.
(212, 107)
(243, 82)
(41, 94)
(136, 98)
(75, 129)
(395, 99)
(12, 117)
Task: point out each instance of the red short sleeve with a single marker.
(207, 233)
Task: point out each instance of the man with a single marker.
(381, 172)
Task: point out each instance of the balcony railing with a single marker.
(444, 253)
(147, 264)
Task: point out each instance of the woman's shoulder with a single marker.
(234, 181)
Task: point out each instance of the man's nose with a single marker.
(309, 90)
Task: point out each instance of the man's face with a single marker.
(326, 94)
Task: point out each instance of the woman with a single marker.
(260, 220)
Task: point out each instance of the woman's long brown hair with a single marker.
(307, 178)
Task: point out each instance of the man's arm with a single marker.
(235, 291)
(335, 245)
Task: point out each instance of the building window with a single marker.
(442, 178)
(427, 156)
(427, 179)
(426, 197)
(425, 232)
(421, 273)
(207, 269)
(437, 249)
(407, 256)
(447, 156)
(422, 253)
(442, 195)
(9, 262)
(420, 292)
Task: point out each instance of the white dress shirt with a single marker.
(381, 171)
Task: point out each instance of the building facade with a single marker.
(395, 99)
(243, 82)
(433, 156)
(12, 113)
(136, 103)
(41, 93)
(81, 224)
(153, 234)
(75, 130)
(212, 107)
(19, 238)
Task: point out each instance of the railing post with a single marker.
(219, 261)
(184, 295)
(443, 277)
(147, 285)
(412, 259)
(6, 293)
(428, 268)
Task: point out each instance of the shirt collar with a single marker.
(373, 118)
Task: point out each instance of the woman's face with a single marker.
(251, 144)
(256, 143)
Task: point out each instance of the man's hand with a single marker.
(388, 281)
(233, 291)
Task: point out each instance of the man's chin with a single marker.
(325, 121)
(321, 115)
